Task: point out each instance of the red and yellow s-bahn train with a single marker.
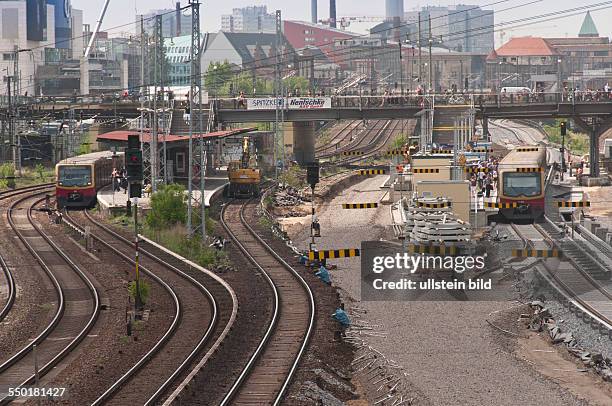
(521, 176)
(79, 178)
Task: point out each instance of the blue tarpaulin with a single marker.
(323, 274)
(342, 317)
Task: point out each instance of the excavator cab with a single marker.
(244, 177)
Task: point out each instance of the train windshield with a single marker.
(522, 184)
(73, 176)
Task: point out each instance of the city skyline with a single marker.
(211, 14)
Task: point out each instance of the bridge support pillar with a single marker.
(594, 152)
(303, 142)
(595, 128)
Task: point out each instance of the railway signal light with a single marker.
(133, 159)
(312, 174)
(563, 128)
(133, 163)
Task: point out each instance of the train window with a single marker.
(522, 184)
(74, 176)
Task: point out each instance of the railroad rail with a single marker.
(573, 279)
(269, 371)
(340, 136)
(378, 140)
(371, 131)
(194, 327)
(6, 270)
(77, 299)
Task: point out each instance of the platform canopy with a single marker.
(122, 135)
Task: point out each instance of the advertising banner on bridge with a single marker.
(291, 103)
(266, 103)
(306, 103)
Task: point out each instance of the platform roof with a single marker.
(122, 135)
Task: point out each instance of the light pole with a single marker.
(401, 68)
(559, 79)
(430, 64)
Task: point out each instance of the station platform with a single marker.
(109, 201)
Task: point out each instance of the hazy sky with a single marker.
(123, 12)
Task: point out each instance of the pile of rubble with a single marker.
(541, 320)
(287, 196)
(432, 220)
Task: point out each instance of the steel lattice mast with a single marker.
(196, 223)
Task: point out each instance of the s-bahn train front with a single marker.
(521, 183)
(75, 186)
(80, 177)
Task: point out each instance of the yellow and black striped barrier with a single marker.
(425, 170)
(584, 203)
(476, 170)
(372, 171)
(359, 205)
(525, 170)
(531, 253)
(441, 151)
(481, 149)
(434, 205)
(490, 205)
(433, 249)
(352, 153)
(528, 149)
(397, 152)
(333, 254)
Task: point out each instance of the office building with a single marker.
(249, 19)
(463, 28)
(174, 22)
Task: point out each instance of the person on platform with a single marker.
(115, 179)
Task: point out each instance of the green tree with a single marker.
(244, 83)
(217, 76)
(168, 207)
(296, 82)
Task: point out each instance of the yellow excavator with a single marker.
(243, 178)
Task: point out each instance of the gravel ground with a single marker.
(451, 355)
(584, 333)
(326, 359)
(253, 294)
(108, 352)
(33, 308)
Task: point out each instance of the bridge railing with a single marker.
(390, 101)
(426, 101)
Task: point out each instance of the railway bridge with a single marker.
(592, 114)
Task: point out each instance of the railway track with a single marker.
(377, 140)
(205, 310)
(77, 301)
(336, 141)
(6, 270)
(268, 372)
(574, 277)
(372, 132)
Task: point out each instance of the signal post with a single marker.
(134, 167)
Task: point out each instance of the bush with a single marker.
(399, 142)
(294, 176)
(168, 207)
(144, 290)
(40, 170)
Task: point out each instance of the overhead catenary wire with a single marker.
(348, 51)
(291, 52)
